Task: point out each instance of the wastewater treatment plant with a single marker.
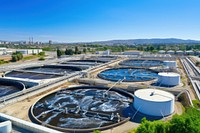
(92, 93)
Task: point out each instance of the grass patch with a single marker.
(196, 103)
(183, 100)
(30, 57)
(41, 58)
(3, 62)
(184, 81)
(131, 131)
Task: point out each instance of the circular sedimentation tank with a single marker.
(141, 63)
(154, 102)
(168, 78)
(98, 61)
(54, 69)
(8, 87)
(82, 109)
(84, 62)
(30, 75)
(128, 74)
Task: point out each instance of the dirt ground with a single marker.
(6, 58)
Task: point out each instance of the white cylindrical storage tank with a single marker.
(168, 78)
(170, 63)
(154, 102)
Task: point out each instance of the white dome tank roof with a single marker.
(154, 102)
(154, 95)
(169, 74)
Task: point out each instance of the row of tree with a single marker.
(19, 56)
(70, 51)
(188, 122)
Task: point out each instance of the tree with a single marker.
(41, 58)
(123, 48)
(66, 51)
(14, 58)
(84, 50)
(69, 52)
(42, 53)
(76, 50)
(59, 53)
(188, 122)
(17, 56)
(197, 63)
(79, 52)
(145, 127)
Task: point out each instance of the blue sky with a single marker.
(94, 20)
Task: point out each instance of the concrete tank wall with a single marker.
(17, 83)
(154, 108)
(9, 82)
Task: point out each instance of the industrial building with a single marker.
(3, 51)
(161, 52)
(179, 52)
(29, 51)
(107, 52)
(132, 53)
(171, 52)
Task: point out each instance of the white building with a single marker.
(179, 52)
(161, 52)
(3, 51)
(107, 52)
(190, 52)
(171, 52)
(9, 52)
(132, 53)
(29, 51)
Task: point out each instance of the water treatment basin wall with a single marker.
(54, 69)
(84, 62)
(10, 86)
(141, 63)
(104, 58)
(82, 109)
(128, 74)
(30, 75)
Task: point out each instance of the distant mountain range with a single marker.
(169, 41)
(147, 41)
